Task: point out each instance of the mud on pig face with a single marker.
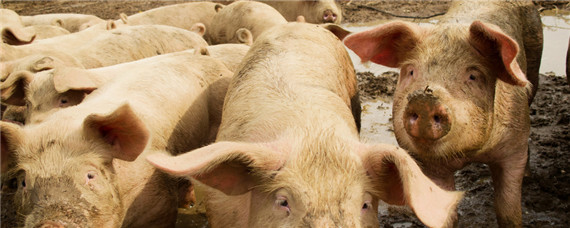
(59, 179)
(445, 96)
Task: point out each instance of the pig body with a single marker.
(85, 165)
(287, 153)
(182, 15)
(317, 12)
(229, 23)
(69, 21)
(112, 47)
(467, 101)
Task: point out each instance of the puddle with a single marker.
(376, 114)
(377, 121)
(556, 24)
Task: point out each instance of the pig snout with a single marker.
(329, 16)
(425, 118)
(49, 224)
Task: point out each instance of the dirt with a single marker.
(546, 190)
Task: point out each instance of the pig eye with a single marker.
(283, 204)
(367, 203)
(472, 77)
(90, 176)
(63, 101)
(411, 72)
(23, 183)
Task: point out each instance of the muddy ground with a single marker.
(546, 190)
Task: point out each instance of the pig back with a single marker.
(288, 64)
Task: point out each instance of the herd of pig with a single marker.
(106, 123)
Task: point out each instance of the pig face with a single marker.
(445, 97)
(65, 177)
(324, 183)
(322, 11)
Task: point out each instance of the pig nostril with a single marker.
(437, 119)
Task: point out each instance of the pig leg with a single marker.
(507, 181)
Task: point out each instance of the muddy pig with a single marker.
(319, 11)
(242, 22)
(464, 91)
(288, 152)
(85, 166)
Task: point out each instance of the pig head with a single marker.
(318, 183)
(83, 191)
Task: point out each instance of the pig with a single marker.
(317, 12)
(85, 165)
(287, 153)
(13, 31)
(113, 47)
(182, 15)
(71, 22)
(464, 91)
(48, 90)
(242, 22)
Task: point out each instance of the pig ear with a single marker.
(45, 63)
(124, 18)
(110, 25)
(199, 28)
(122, 131)
(490, 41)
(338, 31)
(72, 78)
(387, 44)
(230, 167)
(11, 138)
(244, 36)
(13, 90)
(218, 7)
(16, 36)
(399, 181)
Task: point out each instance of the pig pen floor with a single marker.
(546, 190)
